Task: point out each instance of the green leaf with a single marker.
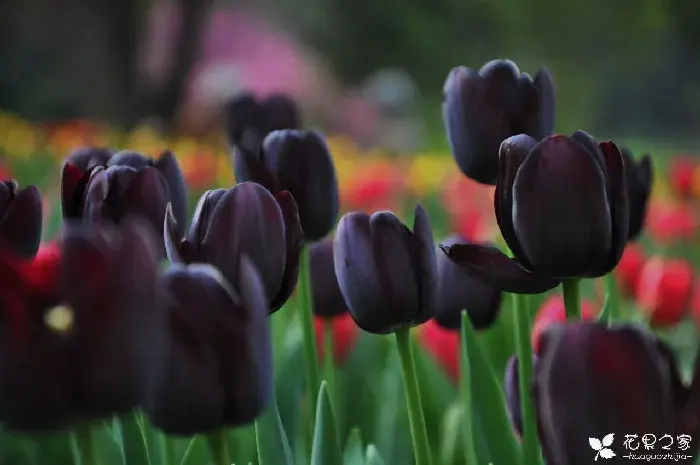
(273, 447)
(326, 446)
(353, 449)
(196, 452)
(133, 440)
(372, 457)
(605, 314)
(481, 384)
(452, 446)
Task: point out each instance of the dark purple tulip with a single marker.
(80, 330)
(483, 108)
(249, 120)
(327, 299)
(20, 218)
(512, 390)
(219, 371)
(386, 273)
(562, 208)
(639, 182)
(88, 158)
(244, 219)
(459, 291)
(299, 162)
(592, 381)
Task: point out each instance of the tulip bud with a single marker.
(251, 119)
(483, 108)
(20, 218)
(572, 181)
(639, 182)
(386, 273)
(88, 158)
(327, 299)
(664, 290)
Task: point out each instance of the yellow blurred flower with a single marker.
(427, 173)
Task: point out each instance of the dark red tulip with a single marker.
(592, 380)
(459, 291)
(299, 162)
(327, 299)
(629, 269)
(386, 273)
(219, 371)
(344, 332)
(571, 182)
(20, 218)
(639, 182)
(482, 108)
(249, 120)
(443, 345)
(244, 219)
(553, 312)
(664, 290)
(80, 331)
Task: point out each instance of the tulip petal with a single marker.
(87, 158)
(490, 265)
(560, 209)
(73, 184)
(281, 112)
(619, 205)
(146, 195)
(294, 241)
(131, 159)
(511, 384)
(20, 226)
(545, 85)
(171, 237)
(425, 265)
(202, 216)
(512, 154)
(327, 299)
(170, 169)
(639, 182)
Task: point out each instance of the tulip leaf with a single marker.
(481, 385)
(196, 452)
(326, 446)
(272, 444)
(372, 456)
(353, 449)
(133, 439)
(605, 314)
(452, 446)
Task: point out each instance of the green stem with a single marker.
(218, 447)
(84, 450)
(307, 327)
(531, 454)
(415, 410)
(572, 299)
(465, 385)
(613, 292)
(328, 357)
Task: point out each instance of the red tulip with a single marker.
(694, 306)
(553, 312)
(344, 332)
(664, 290)
(681, 175)
(629, 269)
(443, 345)
(668, 224)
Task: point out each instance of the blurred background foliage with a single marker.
(623, 68)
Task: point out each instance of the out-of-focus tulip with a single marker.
(249, 120)
(81, 333)
(680, 174)
(511, 386)
(386, 273)
(87, 158)
(20, 218)
(483, 108)
(664, 290)
(327, 299)
(219, 371)
(443, 345)
(169, 168)
(671, 223)
(243, 219)
(344, 332)
(299, 162)
(629, 269)
(639, 182)
(553, 312)
(572, 183)
(592, 381)
(459, 291)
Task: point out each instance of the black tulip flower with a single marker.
(249, 120)
(243, 219)
(592, 381)
(639, 182)
(20, 218)
(327, 299)
(459, 291)
(386, 273)
(219, 369)
(88, 158)
(562, 208)
(299, 162)
(80, 331)
(168, 167)
(483, 108)
(512, 390)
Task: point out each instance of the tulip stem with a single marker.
(328, 358)
(84, 446)
(572, 299)
(218, 447)
(309, 335)
(531, 454)
(415, 409)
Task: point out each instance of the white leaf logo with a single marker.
(602, 447)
